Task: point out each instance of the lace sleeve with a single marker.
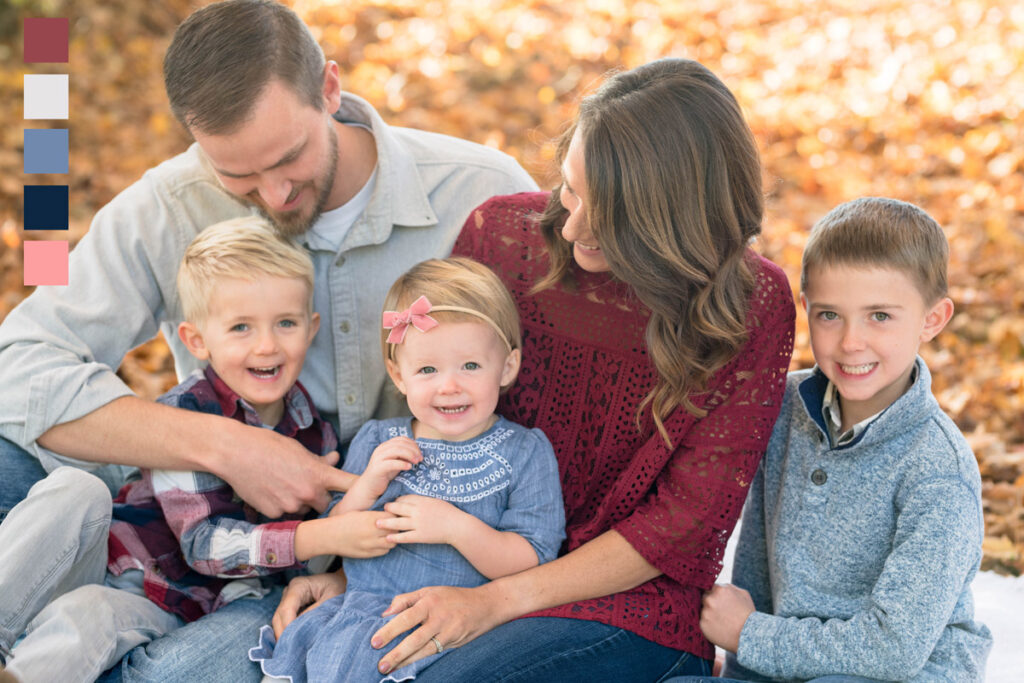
(683, 523)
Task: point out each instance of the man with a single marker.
(275, 134)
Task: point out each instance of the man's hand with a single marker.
(305, 593)
(269, 471)
(725, 610)
(276, 475)
(389, 458)
(419, 519)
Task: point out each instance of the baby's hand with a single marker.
(725, 610)
(419, 519)
(391, 457)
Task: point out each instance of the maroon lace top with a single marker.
(584, 372)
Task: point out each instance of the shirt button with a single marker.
(340, 261)
(818, 477)
(350, 399)
(344, 326)
(271, 558)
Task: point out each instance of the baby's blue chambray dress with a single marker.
(507, 477)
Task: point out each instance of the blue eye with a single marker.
(471, 366)
(427, 370)
(240, 327)
(288, 323)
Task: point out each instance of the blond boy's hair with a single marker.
(455, 281)
(883, 233)
(241, 248)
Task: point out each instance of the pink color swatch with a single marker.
(46, 263)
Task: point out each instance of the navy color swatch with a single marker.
(46, 207)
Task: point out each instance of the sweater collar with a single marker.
(901, 414)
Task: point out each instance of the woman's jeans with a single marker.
(543, 649)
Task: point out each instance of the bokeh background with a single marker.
(918, 100)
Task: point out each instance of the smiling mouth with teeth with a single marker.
(454, 410)
(862, 369)
(587, 247)
(265, 373)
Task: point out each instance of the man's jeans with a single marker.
(53, 567)
(19, 470)
(215, 648)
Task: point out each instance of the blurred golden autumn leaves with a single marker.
(921, 101)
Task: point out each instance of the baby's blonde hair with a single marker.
(241, 248)
(458, 282)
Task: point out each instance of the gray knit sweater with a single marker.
(860, 558)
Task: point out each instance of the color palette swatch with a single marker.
(46, 151)
(46, 40)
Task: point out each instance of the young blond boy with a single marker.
(863, 528)
(181, 543)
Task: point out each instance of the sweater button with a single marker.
(818, 477)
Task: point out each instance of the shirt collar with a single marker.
(298, 414)
(399, 197)
(832, 412)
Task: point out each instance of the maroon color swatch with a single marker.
(46, 39)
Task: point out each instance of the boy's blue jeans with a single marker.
(215, 648)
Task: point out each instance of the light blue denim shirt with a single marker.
(59, 348)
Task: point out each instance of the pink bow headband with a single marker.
(416, 315)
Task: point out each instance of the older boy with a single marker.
(181, 544)
(863, 528)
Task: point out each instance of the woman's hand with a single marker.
(304, 593)
(725, 610)
(454, 616)
(419, 519)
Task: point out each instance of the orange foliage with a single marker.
(918, 100)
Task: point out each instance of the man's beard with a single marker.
(294, 223)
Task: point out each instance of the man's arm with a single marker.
(273, 473)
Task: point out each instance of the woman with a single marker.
(655, 348)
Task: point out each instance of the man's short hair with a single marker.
(224, 55)
(881, 233)
(240, 248)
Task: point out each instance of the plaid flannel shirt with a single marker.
(199, 545)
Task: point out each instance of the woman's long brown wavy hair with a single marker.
(673, 181)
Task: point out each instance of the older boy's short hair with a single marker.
(241, 248)
(883, 233)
